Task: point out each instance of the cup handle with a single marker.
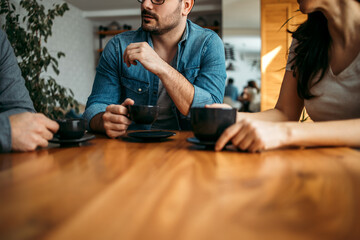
(128, 114)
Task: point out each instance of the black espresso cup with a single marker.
(73, 128)
(143, 114)
(209, 123)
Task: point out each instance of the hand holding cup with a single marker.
(115, 119)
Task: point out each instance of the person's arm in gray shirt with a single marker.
(14, 97)
(21, 128)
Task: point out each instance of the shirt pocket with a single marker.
(137, 90)
(191, 73)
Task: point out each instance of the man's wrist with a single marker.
(164, 70)
(96, 123)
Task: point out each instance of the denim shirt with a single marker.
(200, 59)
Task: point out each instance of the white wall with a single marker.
(241, 14)
(246, 65)
(73, 35)
(241, 29)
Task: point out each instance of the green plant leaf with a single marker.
(28, 40)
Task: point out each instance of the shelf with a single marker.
(111, 32)
(214, 28)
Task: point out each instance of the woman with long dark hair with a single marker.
(322, 74)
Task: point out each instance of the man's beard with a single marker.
(173, 19)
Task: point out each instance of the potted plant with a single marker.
(27, 35)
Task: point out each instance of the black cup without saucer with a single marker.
(73, 128)
(209, 123)
(143, 114)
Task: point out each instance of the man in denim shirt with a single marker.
(169, 62)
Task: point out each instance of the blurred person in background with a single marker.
(250, 97)
(231, 90)
(231, 95)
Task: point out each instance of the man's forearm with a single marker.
(97, 124)
(179, 89)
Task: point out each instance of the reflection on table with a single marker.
(128, 189)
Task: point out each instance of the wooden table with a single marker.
(116, 189)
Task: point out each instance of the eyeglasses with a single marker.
(156, 2)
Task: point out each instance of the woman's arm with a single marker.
(331, 133)
(256, 135)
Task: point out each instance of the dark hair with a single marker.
(231, 81)
(253, 84)
(311, 53)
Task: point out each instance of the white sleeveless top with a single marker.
(337, 97)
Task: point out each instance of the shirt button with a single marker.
(139, 89)
(154, 93)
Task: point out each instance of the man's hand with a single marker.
(30, 130)
(115, 119)
(143, 53)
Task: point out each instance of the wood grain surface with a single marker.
(125, 189)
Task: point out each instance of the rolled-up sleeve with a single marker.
(106, 87)
(5, 134)
(210, 83)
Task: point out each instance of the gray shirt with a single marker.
(166, 118)
(167, 115)
(14, 97)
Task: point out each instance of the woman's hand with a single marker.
(218, 105)
(254, 136)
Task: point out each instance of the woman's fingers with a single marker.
(256, 146)
(227, 135)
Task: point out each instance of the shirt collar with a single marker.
(185, 34)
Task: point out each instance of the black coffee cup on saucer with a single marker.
(73, 128)
(209, 123)
(143, 114)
